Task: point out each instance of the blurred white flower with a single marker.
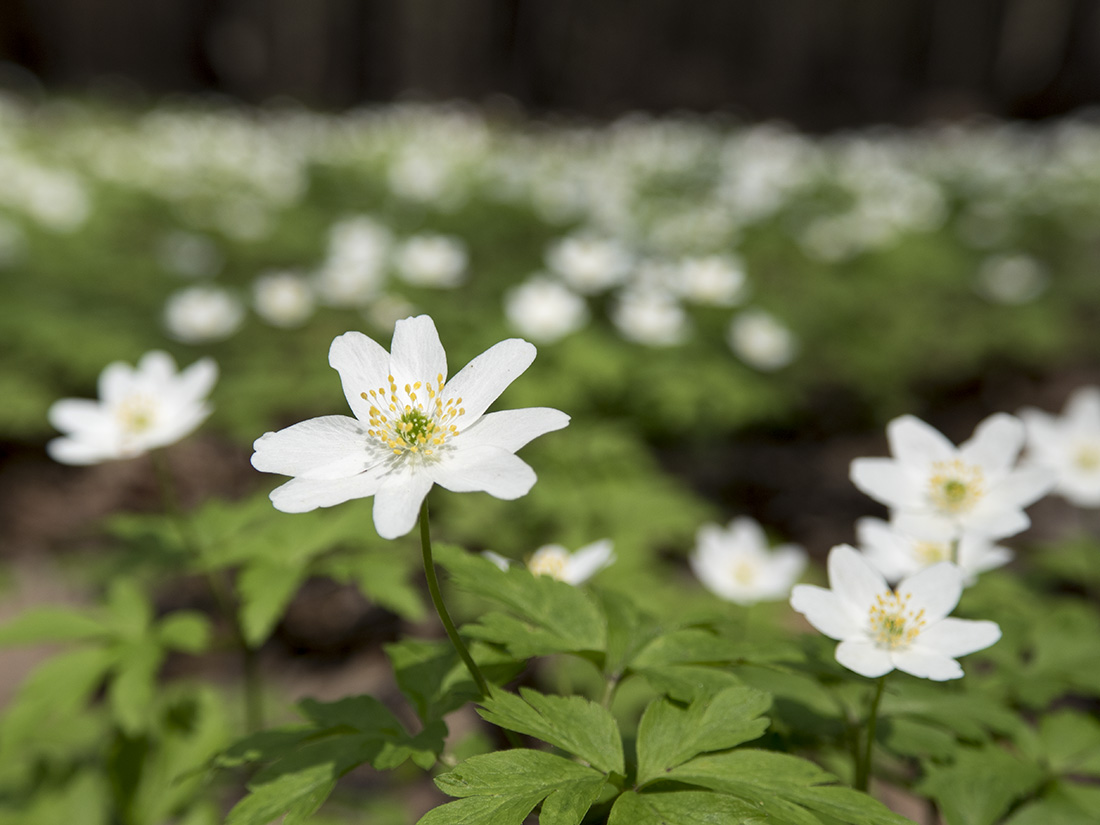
(432, 260)
(935, 488)
(761, 341)
(139, 409)
(412, 429)
(189, 254)
(881, 629)
(897, 554)
(544, 309)
(555, 561)
(649, 316)
(354, 268)
(589, 264)
(283, 299)
(735, 562)
(1012, 279)
(1069, 446)
(502, 563)
(715, 280)
(384, 311)
(202, 313)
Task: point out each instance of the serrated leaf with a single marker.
(296, 794)
(572, 723)
(684, 808)
(687, 683)
(692, 645)
(670, 734)
(508, 784)
(265, 589)
(629, 630)
(52, 624)
(980, 785)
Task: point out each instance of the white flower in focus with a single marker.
(650, 316)
(716, 280)
(1069, 446)
(412, 429)
(935, 488)
(897, 554)
(202, 313)
(589, 264)
(880, 629)
(544, 309)
(1012, 279)
(736, 563)
(138, 410)
(283, 299)
(758, 339)
(555, 561)
(432, 260)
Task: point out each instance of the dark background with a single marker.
(821, 64)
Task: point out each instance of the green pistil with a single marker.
(954, 491)
(415, 427)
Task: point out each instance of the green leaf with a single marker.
(629, 630)
(52, 624)
(787, 787)
(684, 808)
(128, 609)
(670, 734)
(502, 788)
(572, 723)
(687, 683)
(184, 630)
(265, 589)
(295, 795)
(691, 645)
(979, 787)
(133, 688)
(383, 576)
(1070, 743)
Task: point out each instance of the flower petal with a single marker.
(824, 610)
(493, 470)
(995, 444)
(957, 637)
(588, 561)
(397, 503)
(333, 446)
(927, 664)
(115, 382)
(511, 429)
(1083, 409)
(915, 443)
(864, 657)
(416, 353)
(884, 480)
(482, 381)
(300, 495)
(935, 590)
(78, 452)
(196, 382)
(854, 579)
(996, 522)
(73, 415)
(747, 533)
(1025, 486)
(363, 366)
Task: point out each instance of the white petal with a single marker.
(333, 446)
(927, 664)
(824, 611)
(917, 444)
(71, 415)
(482, 381)
(864, 657)
(493, 470)
(957, 637)
(930, 526)
(511, 429)
(157, 368)
(363, 366)
(854, 579)
(1083, 408)
(115, 382)
(397, 503)
(71, 451)
(1025, 486)
(587, 561)
(300, 495)
(747, 533)
(786, 564)
(976, 554)
(416, 353)
(995, 444)
(935, 590)
(884, 480)
(996, 522)
(198, 380)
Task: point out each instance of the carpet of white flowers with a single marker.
(192, 285)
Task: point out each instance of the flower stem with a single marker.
(222, 592)
(863, 766)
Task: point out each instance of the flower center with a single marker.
(744, 573)
(548, 561)
(1087, 457)
(894, 625)
(415, 420)
(136, 414)
(930, 552)
(955, 487)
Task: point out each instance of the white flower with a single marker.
(897, 554)
(735, 563)
(432, 260)
(650, 316)
(202, 313)
(716, 280)
(412, 429)
(138, 410)
(880, 629)
(555, 561)
(502, 563)
(932, 486)
(589, 264)
(355, 267)
(545, 310)
(758, 339)
(1069, 446)
(1012, 279)
(283, 299)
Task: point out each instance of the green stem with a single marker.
(222, 592)
(609, 691)
(863, 766)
